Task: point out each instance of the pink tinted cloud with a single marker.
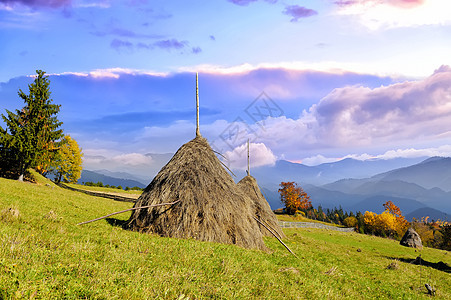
(398, 3)
(406, 3)
(397, 115)
(247, 2)
(400, 111)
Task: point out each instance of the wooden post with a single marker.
(197, 105)
(248, 164)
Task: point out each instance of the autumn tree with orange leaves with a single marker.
(294, 197)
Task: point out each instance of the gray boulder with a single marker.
(411, 239)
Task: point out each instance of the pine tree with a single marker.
(31, 135)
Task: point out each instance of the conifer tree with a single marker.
(31, 134)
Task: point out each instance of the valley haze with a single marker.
(420, 187)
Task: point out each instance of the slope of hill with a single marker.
(433, 172)
(44, 255)
(433, 214)
(352, 168)
(375, 204)
(434, 198)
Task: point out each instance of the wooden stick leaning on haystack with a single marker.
(126, 210)
(275, 236)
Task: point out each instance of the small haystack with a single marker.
(262, 210)
(211, 207)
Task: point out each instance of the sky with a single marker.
(306, 81)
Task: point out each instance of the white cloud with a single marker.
(132, 159)
(317, 160)
(140, 165)
(181, 127)
(260, 155)
(441, 151)
(331, 67)
(375, 14)
(112, 73)
(363, 116)
(92, 4)
(413, 112)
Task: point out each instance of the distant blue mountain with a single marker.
(433, 214)
(432, 172)
(90, 176)
(354, 185)
(408, 187)
(375, 204)
(327, 173)
(120, 175)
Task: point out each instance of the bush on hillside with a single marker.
(350, 222)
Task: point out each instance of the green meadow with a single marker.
(45, 255)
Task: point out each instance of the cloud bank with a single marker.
(376, 14)
(314, 114)
(358, 117)
(247, 2)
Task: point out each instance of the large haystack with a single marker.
(211, 207)
(262, 210)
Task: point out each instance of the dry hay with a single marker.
(262, 210)
(10, 214)
(211, 207)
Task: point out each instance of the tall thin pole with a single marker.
(248, 164)
(197, 104)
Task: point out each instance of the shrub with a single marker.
(350, 222)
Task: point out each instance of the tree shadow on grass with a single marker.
(116, 222)
(441, 266)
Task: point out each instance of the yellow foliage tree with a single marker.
(389, 223)
(350, 222)
(68, 165)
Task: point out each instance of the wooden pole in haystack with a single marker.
(248, 164)
(197, 105)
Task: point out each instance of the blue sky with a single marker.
(308, 81)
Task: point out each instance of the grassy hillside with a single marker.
(300, 218)
(45, 255)
(114, 191)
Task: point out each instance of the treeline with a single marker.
(100, 184)
(390, 223)
(434, 234)
(33, 138)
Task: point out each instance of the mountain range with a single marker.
(419, 186)
(113, 178)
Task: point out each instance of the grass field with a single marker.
(299, 218)
(45, 255)
(120, 192)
